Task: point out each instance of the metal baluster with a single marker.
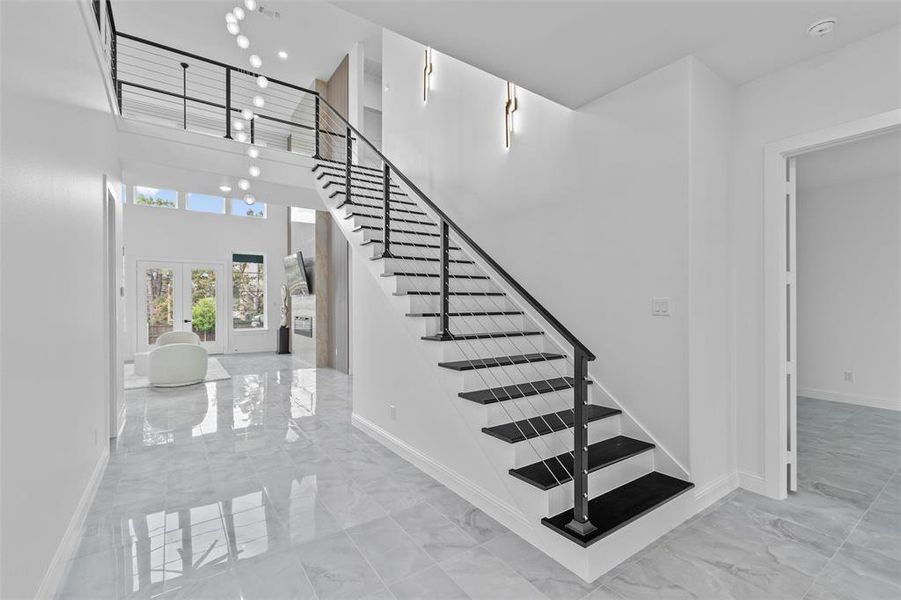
(580, 523)
(444, 276)
(228, 103)
(347, 158)
(386, 221)
(184, 94)
(317, 125)
(252, 128)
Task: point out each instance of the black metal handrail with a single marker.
(581, 354)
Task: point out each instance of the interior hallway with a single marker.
(260, 487)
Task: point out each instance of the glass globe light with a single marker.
(255, 61)
(259, 102)
(250, 5)
(244, 184)
(243, 42)
(249, 199)
(247, 114)
(254, 171)
(262, 82)
(253, 152)
(233, 28)
(239, 13)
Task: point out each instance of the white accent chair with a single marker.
(177, 360)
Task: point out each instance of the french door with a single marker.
(181, 296)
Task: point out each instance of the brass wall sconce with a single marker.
(510, 107)
(426, 74)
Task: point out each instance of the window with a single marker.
(148, 196)
(242, 209)
(248, 291)
(204, 203)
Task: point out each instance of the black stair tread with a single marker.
(480, 336)
(352, 215)
(395, 243)
(381, 208)
(407, 231)
(472, 313)
(518, 390)
(427, 293)
(537, 426)
(337, 193)
(452, 275)
(459, 261)
(356, 186)
(551, 472)
(500, 361)
(619, 507)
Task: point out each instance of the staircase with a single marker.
(507, 365)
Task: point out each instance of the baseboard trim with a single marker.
(72, 537)
(716, 489)
(497, 508)
(871, 401)
(752, 482)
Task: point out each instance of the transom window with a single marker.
(205, 203)
(149, 196)
(240, 208)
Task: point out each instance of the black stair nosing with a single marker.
(414, 244)
(429, 293)
(353, 186)
(621, 506)
(452, 275)
(518, 390)
(376, 179)
(479, 336)
(551, 472)
(395, 219)
(337, 193)
(526, 429)
(340, 164)
(458, 261)
(381, 208)
(500, 361)
(405, 231)
(475, 313)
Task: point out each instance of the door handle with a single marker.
(187, 320)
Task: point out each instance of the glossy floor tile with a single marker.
(258, 487)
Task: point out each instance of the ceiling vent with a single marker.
(821, 28)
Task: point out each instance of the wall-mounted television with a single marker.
(299, 274)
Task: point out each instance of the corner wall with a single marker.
(58, 140)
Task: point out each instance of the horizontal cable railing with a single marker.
(167, 86)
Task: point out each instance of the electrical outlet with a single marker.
(849, 376)
(660, 307)
(392, 412)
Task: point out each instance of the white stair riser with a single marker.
(553, 444)
(479, 324)
(477, 379)
(427, 266)
(600, 481)
(397, 224)
(499, 412)
(433, 284)
(466, 349)
(376, 234)
(422, 304)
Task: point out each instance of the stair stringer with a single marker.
(512, 502)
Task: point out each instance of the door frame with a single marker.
(780, 327)
(221, 296)
(112, 292)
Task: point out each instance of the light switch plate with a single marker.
(660, 307)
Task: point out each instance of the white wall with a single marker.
(849, 291)
(57, 142)
(179, 234)
(859, 80)
(595, 212)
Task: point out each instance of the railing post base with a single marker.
(580, 528)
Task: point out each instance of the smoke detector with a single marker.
(821, 28)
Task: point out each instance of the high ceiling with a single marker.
(316, 35)
(574, 52)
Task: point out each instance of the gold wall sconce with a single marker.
(426, 74)
(510, 107)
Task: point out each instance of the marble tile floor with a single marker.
(259, 487)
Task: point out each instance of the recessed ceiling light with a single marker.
(255, 61)
(282, 54)
(259, 102)
(254, 171)
(233, 28)
(253, 152)
(225, 188)
(822, 28)
(242, 41)
(244, 184)
(262, 82)
(239, 13)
